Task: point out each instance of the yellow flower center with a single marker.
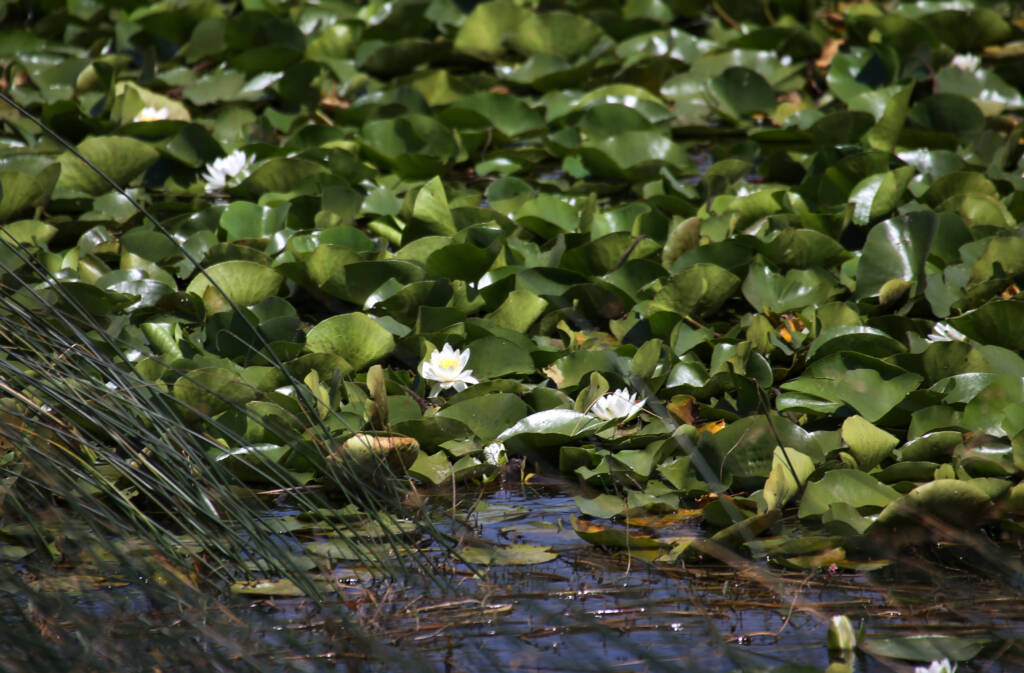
(448, 363)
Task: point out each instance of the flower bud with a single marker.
(841, 634)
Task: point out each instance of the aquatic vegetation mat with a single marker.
(293, 296)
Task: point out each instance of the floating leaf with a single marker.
(354, 336)
(741, 92)
(434, 469)
(20, 190)
(789, 473)
(895, 248)
(852, 487)
(122, 159)
(513, 554)
(697, 290)
(927, 647)
(770, 292)
(994, 323)
(616, 538)
(209, 391)
(869, 444)
(244, 283)
(943, 501)
(488, 416)
(879, 194)
(866, 390)
(744, 531)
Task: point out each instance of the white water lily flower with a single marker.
(228, 171)
(617, 405)
(943, 331)
(151, 114)
(494, 454)
(942, 666)
(966, 62)
(447, 368)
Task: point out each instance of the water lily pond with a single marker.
(568, 335)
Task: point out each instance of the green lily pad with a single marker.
(745, 449)
(26, 234)
(936, 446)
(789, 473)
(927, 647)
(487, 415)
(698, 290)
(244, 283)
(513, 554)
(550, 427)
(866, 390)
(209, 391)
(896, 248)
(740, 92)
(491, 357)
(20, 190)
(434, 469)
(869, 444)
(122, 159)
(767, 291)
(852, 487)
(354, 336)
(994, 324)
(878, 195)
(946, 501)
(415, 146)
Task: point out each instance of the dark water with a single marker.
(596, 610)
(588, 610)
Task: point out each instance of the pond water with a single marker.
(593, 609)
(589, 609)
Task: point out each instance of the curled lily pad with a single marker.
(365, 456)
(613, 537)
(742, 531)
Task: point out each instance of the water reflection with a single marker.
(589, 609)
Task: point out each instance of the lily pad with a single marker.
(513, 554)
(354, 336)
(121, 158)
(244, 283)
